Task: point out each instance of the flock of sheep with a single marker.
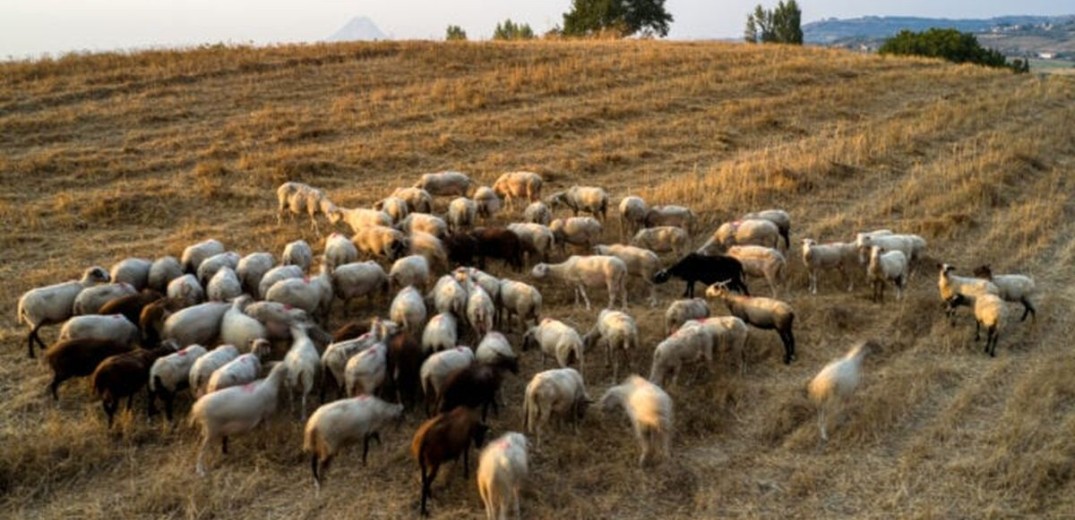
(151, 323)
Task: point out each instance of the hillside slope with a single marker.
(109, 156)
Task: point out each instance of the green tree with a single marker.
(783, 24)
(949, 44)
(509, 30)
(620, 17)
(455, 33)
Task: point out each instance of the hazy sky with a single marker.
(33, 27)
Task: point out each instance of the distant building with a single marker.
(1046, 55)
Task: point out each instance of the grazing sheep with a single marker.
(164, 270)
(277, 318)
(359, 218)
(339, 424)
(235, 410)
(762, 262)
(911, 246)
(195, 254)
(97, 326)
(203, 367)
(123, 375)
(441, 333)
(445, 183)
(461, 248)
(690, 343)
(186, 289)
(500, 243)
(557, 339)
(778, 217)
(313, 295)
(494, 350)
(91, 299)
(241, 370)
(886, 266)
(462, 213)
(650, 410)
(558, 392)
(408, 309)
(224, 286)
(298, 253)
(395, 207)
(582, 198)
(78, 358)
(443, 438)
(410, 271)
(763, 313)
(449, 296)
(405, 358)
(729, 335)
(989, 312)
(350, 281)
(537, 213)
(151, 320)
(835, 383)
(581, 232)
(366, 371)
(619, 332)
(425, 223)
(469, 275)
(537, 240)
(339, 250)
(518, 185)
(437, 368)
(170, 374)
(476, 386)
(662, 239)
(430, 247)
(671, 215)
(756, 232)
(682, 311)
(640, 262)
(487, 201)
(302, 362)
(380, 241)
(131, 306)
(1012, 288)
(133, 272)
(296, 198)
(252, 269)
(841, 256)
(418, 200)
(706, 269)
(214, 263)
(521, 300)
(481, 311)
(280, 272)
(334, 361)
(502, 468)
(632, 216)
(590, 271)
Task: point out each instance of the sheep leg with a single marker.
(1028, 308)
(585, 298)
(821, 423)
(314, 459)
(977, 328)
(54, 386)
(366, 444)
(110, 410)
(199, 465)
(789, 346)
(34, 337)
(224, 445)
(169, 398)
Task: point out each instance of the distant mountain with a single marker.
(359, 28)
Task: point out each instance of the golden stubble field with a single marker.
(108, 156)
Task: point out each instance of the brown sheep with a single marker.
(78, 358)
(443, 438)
(499, 243)
(122, 375)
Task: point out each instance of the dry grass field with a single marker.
(108, 156)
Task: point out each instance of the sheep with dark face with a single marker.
(1012, 288)
(78, 358)
(706, 269)
(778, 217)
(763, 313)
(444, 438)
(122, 375)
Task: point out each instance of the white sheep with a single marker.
(277, 317)
(296, 198)
(670, 215)
(777, 216)
(580, 232)
(252, 269)
(911, 246)
(729, 335)
(487, 201)
(187, 290)
(339, 250)
(339, 424)
(835, 383)
(619, 332)
(763, 313)
(366, 371)
(418, 200)
(334, 359)
(650, 410)
(592, 271)
(958, 290)
(105, 327)
(691, 343)
(241, 370)
(380, 241)
(1012, 288)
(633, 211)
(444, 183)
(758, 232)
(214, 263)
(557, 339)
(425, 223)
(663, 239)
(441, 333)
(537, 239)
(224, 286)
(91, 299)
(359, 218)
(762, 262)
(641, 263)
(495, 350)
(195, 254)
(313, 295)
(408, 309)
(502, 468)
(468, 275)
(203, 367)
(430, 247)
(521, 300)
(280, 272)
(682, 311)
(170, 374)
(439, 367)
(462, 213)
(240, 329)
(412, 270)
(298, 253)
(537, 213)
(353, 280)
(303, 364)
(989, 312)
(164, 270)
(590, 199)
(841, 256)
(448, 295)
(235, 410)
(518, 185)
(558, 392)
(132, 271)
(886, 266)
(481, 310)
(395, 207)
(196, 324)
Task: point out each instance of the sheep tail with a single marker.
(528, 408)
(20, 314)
